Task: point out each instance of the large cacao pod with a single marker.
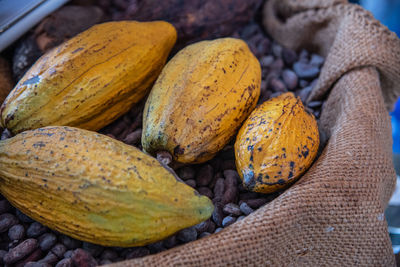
(92, 79)
(94, 188)
(200, 99)
(276, 144)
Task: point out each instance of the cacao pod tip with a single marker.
(206, 207)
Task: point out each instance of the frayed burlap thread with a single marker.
(334, 215)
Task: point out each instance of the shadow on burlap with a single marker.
(334, 215)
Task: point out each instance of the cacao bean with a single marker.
(4, 206)
(83, 258)
(59, 250)
(50, 258)
(34, 256)
(186, 173)
(93, 249)
(6, 221)
(205, 191)
(187, 235)
(170, 242)
(228, 220)
(46, 241)
(16, 232)
(36, 229)
(232, 209)
(204, 175)
(256, 203)
(245, 208)
(20, 251)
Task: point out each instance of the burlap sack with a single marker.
(334, 215)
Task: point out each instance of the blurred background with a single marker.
(388, 12)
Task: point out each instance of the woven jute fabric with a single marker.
(334, 216)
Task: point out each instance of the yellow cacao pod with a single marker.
(276, 144)
(200, 99)
(94, 188)
(91, 79)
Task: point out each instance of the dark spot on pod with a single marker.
(250, 148)
(259, 149)
(39, 144)
(291, 164)
(223, 70)
(290, 175)
(178, 150)
(305, 151)
(77, 50)
(281, 181)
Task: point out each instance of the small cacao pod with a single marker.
(276, 144)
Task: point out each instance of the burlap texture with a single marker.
(334, 215)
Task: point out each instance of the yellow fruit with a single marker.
(276, 144)
(92, 79)
(200, 100)
(94, 188)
